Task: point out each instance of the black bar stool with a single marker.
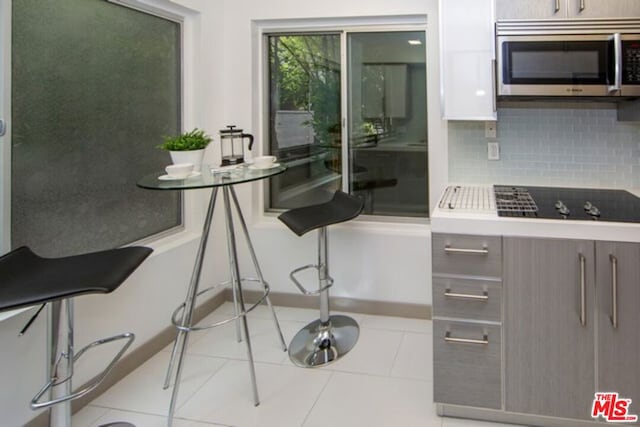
(27, 279)
(331, 336)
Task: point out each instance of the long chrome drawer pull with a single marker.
(450, 250)
(483, 341)
(583, 291)
(614, 291)
(483, 297)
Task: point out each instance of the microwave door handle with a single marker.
(617, 52)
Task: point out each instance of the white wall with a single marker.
(143, 304)
(383, 262)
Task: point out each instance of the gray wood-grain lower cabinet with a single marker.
(467, 319)
(571, 324)
(618, 317)
(549, 326)
(533, 343)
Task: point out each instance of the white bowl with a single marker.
(263, 161)
(180, 170)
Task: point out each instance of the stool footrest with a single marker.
(302, 288)
(95, 381)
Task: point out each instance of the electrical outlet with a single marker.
(493, 151)
(490, 129)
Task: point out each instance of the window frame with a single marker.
(342, 26)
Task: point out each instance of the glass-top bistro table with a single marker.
(223, 179)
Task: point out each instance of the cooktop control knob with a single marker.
(594, 212)
(588, 206)
(562, 209)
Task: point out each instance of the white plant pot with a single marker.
(194, 157)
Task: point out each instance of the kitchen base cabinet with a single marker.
(618, 317)
(467, 319)
(549, 326)
(565, 315)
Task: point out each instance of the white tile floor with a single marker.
(386, 380)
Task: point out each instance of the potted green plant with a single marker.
(187, 147)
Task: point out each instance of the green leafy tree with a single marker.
(305, 76)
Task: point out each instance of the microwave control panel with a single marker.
(631, 62)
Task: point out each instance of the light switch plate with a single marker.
(493, 151)
(490, 129)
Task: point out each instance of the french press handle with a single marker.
(248, 135)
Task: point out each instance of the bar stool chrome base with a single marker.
(320, 343)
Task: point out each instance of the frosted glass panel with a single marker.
(95, 87)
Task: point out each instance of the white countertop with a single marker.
(489, 223)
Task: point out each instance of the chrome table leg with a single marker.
(257, 267)
(237, 282)
(190, 302)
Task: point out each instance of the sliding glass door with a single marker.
(379, 144)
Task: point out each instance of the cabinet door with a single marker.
(531, 9)
(619, 338)
(468, 67)
(549, 352)
(604, 8)
(395, 90)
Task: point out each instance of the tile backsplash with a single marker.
(580, 145)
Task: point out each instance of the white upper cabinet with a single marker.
(531, 9)
(603, 8)
(567, 9)
(467, 59)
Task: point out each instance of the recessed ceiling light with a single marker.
(415, 42)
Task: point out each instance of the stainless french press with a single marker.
(232, 145)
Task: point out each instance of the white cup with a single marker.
(180, 170)
(264, 161)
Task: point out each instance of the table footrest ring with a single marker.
(177, 322)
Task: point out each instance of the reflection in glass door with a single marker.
(388, 122)
(304, 117)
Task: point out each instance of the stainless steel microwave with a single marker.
(591, 58)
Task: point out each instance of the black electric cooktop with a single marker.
(567, 203)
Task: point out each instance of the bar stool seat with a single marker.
(342, 207)
(27, 279)
(331, 336)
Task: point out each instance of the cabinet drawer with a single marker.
(467, 298)
(467, 373)
(467, 255)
